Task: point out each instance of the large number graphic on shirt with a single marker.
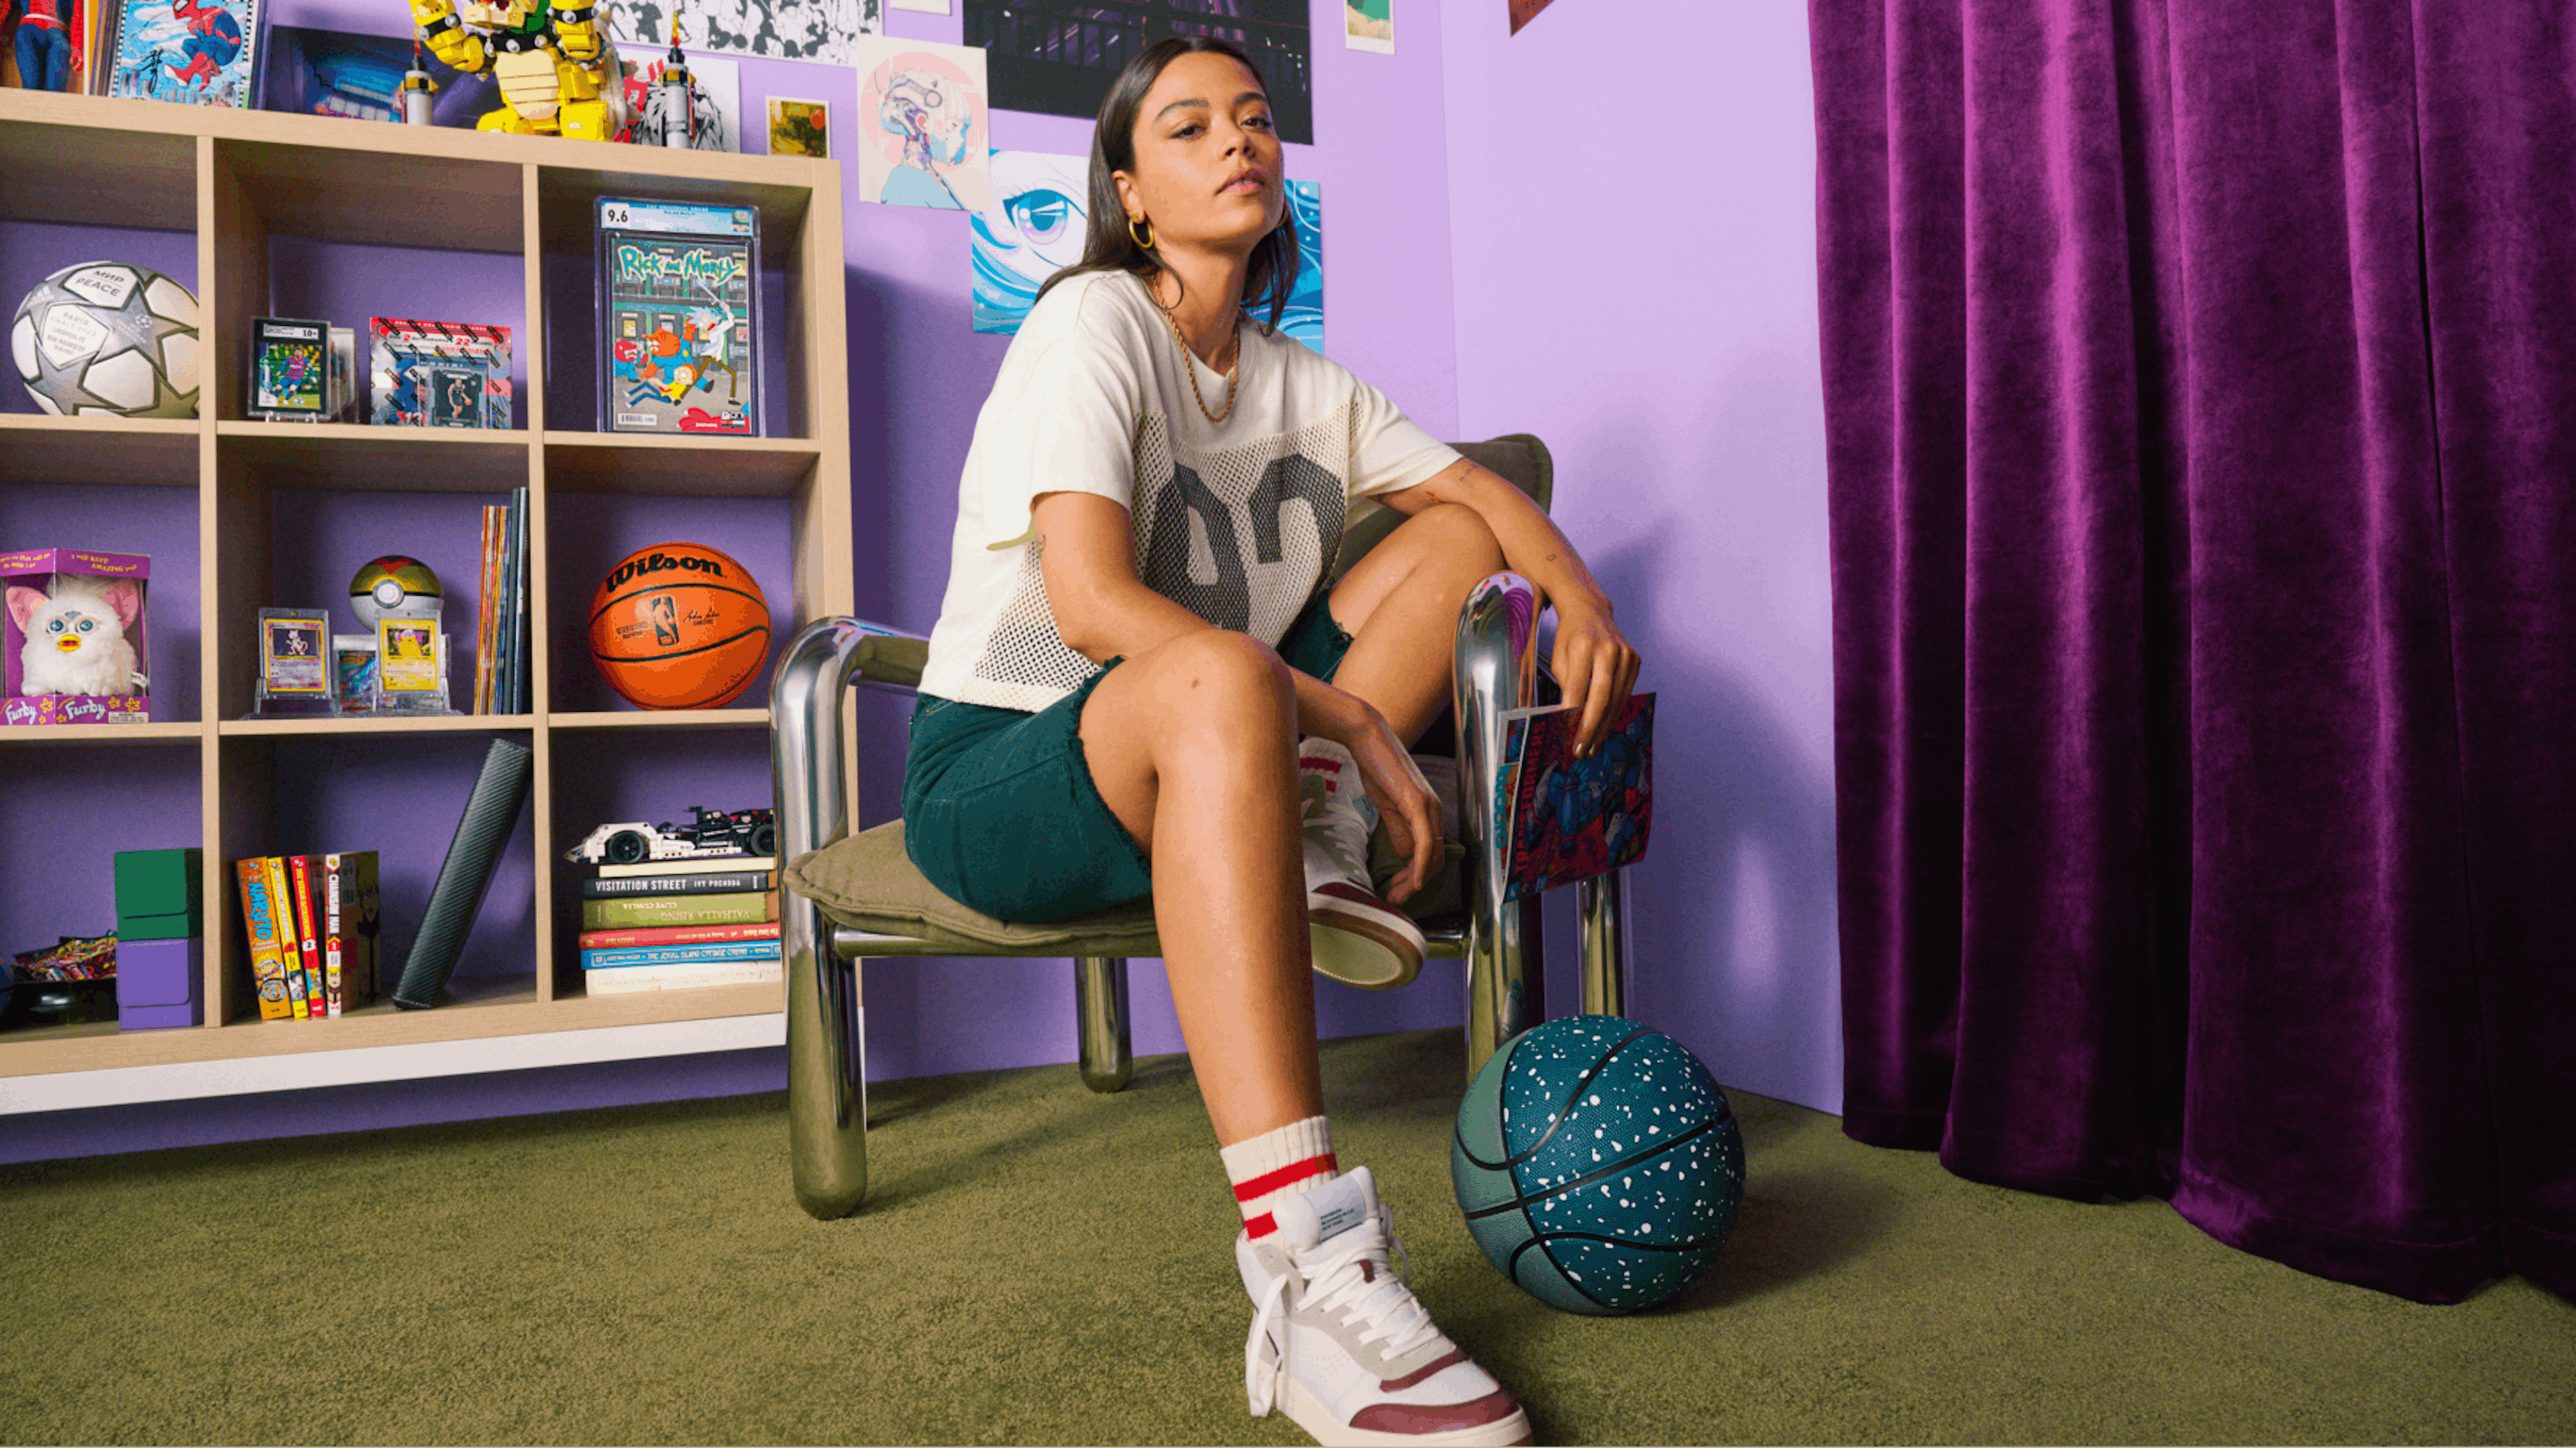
(1226, 600)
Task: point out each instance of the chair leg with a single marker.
(1601, 904)
(827, 1078)
(1100, 1025)
(1497, 629)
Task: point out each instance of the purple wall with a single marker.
(1683, 402)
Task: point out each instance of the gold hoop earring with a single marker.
(1145, 242)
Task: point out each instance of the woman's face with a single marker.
(1207, 156)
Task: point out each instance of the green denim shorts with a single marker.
(999, 810)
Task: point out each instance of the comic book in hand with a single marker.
(679, 317)
(1569, 819)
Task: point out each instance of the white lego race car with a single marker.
(748, 832)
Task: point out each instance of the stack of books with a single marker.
(312, 927)
(671, 924)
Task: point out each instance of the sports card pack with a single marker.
(679, 317)
(438, 374)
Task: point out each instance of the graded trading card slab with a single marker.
(679, 317)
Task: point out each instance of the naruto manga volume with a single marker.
(679, 317)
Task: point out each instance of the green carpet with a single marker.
(1040, 1265)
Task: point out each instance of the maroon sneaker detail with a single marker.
(1398, 1385)
(1423, 1418)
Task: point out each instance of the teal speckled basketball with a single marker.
(1598, 1164)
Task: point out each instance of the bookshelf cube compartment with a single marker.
(790, 372)
(160, 523)
(32, 250)
(401, 796)
(653, 776)
(590, 534)
(84, 161)
(70, 807)
(346, 285)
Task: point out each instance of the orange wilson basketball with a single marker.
(679, 626)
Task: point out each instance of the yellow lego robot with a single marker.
(557, 67)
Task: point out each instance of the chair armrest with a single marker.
(1496, 668)
(808, 777)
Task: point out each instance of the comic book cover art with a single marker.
(1569, 819)
(202, 52)
(678, 310)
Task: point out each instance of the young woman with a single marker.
(1138, 685)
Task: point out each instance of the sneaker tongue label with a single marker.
(1333, 1219)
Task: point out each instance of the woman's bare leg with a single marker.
(1193, 746)
(1401, 603)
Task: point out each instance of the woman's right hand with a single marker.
(1403, 799)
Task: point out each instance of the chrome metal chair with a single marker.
(828, 928)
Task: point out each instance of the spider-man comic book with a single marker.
(1569, 819)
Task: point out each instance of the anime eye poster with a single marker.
(921, 125)
(183, 50)
(1036, 221)
(824, 31)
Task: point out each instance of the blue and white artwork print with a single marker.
(1038, 219)
(184, 50)
(1032, 229)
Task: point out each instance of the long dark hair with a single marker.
(1108, 246)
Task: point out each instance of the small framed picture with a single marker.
(799, 128)
(294, 662)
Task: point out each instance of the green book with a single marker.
(721, 909)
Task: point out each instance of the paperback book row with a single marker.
(672, 924)
(313, 927)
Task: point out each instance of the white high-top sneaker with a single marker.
(1342, 1345)
(1357, 938)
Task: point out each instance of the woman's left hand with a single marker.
(1595, 665)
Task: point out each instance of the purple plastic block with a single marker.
(157, 983)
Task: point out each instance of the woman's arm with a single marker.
(1593, 661)
(1104, 611)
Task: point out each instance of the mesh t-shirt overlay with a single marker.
(1239, 536)
(1238, 523)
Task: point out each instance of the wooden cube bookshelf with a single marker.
(238, 178)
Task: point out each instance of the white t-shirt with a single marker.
(1237, 523)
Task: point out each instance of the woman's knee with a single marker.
(1220, 677)
(1459, 533)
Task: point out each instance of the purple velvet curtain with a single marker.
(2200, 384)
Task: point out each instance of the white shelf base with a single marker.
(303, 1070)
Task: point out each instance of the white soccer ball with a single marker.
(108, 338)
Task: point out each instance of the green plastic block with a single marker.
(154, 883)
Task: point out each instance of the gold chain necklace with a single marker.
(1216, 419)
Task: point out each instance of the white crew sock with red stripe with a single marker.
(1276, 1165)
